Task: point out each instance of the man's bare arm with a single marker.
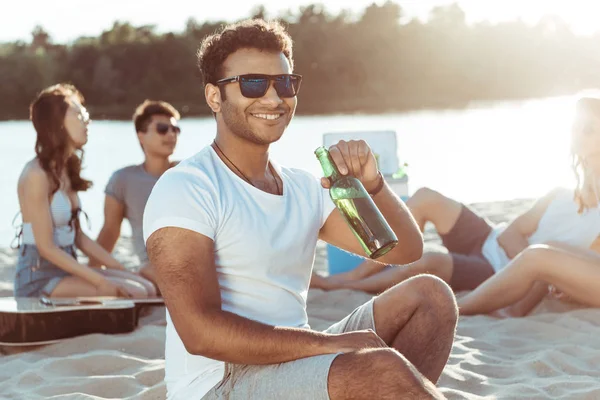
(187, 276)
(114, 212)
(356, 159)
(410, 241)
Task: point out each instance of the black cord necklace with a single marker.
(279, 191)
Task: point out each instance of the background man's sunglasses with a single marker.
(163, 128)
(254, 86)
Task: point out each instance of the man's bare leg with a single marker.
(427, 205)
(434, 263)
(378, 374)
(363, 270)
(417, 319)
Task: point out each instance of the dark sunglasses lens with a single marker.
(254, 87)
(287, 86)
(162, 128)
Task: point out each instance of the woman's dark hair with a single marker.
(53, 144)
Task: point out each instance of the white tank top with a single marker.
(61, 210)
(561, 222)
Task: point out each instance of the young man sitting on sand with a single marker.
(127, 191)
(232, 236)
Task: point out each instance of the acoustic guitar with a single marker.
(28, 321)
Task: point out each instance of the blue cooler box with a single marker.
(340, 260)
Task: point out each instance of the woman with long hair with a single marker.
(49, 203)
(564, 258)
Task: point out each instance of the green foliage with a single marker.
(373, 62)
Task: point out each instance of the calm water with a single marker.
(492, 152)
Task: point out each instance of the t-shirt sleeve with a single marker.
(116, 186)
(181, 199)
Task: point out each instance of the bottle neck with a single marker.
(330, 170)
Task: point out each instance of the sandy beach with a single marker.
(552, 354)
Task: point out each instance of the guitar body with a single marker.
(33, 321)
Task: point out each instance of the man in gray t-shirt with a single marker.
(156, 124)
(131, 187)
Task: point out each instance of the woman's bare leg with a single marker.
(149, 286)
(524, 306)
(74, 286)
(577, 275)
(147, 271)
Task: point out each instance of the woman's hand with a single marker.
(558, 294)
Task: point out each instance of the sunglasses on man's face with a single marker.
(254, 86)
(163, 129)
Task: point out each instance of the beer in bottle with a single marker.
(360, 212)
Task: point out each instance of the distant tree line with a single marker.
(373, 62)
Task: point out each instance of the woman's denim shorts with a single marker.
(36, 276)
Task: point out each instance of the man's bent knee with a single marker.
(425, 195)
(378, 373)
(436, 294)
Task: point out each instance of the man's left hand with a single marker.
(355, 158)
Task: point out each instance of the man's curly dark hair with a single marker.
(248, 34)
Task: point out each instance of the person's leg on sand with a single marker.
(362, 271)
(74, 286)
(524, 306)
(576, 275)
(148, 272)
(438, 264)
(461, 272)
(461, 230)
(417, 319)
(428, 205)
(130, 276)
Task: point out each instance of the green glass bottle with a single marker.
(360, 212)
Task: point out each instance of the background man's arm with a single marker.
(114, 212)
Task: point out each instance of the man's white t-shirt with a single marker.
(264, 249)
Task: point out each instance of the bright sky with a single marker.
(66, 20)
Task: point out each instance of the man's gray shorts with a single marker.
(305, 378)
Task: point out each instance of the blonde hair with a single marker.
(589, 102)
